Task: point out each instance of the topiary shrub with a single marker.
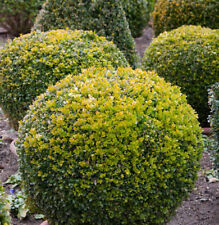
(4, 208)
(109, 147)
(138, 14)
(171, 14)
(106, 18)
(187, 57)
(17, 17)
(214, 121)
(31, 63)
(151, 4)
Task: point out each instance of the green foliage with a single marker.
(18, 205)
(17, 17)
(32, 62)
(106, 18)
(4, 208)
(18, 199)
(171, 14)
(214, 121)
(187, 57)
(109, 147)
(137, 14)
(15, 180)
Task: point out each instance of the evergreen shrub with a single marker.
(17, 16)
(137, 14)
(188, 57)
(109, 147)
(171, 14)
(34, 61)
(4, 208)
(214, 121)
(106, 18)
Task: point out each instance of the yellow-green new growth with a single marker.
(188, 57)
(102, 146)
(171, 14)
(31, 63)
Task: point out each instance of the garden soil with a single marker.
(200, 208)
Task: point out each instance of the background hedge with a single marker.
(109, 147)
(138, 14)
(106, 18)
(214, 121)
(187, 57)
(32, 62)
(17, 16)
(171, 14)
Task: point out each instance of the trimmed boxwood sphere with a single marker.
(171, 14)
(109, 147)
(187, 57)
(32, 62)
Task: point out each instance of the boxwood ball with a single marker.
(188, 57)
(109, 147)
(29, 64)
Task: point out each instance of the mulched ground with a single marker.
(201, 207)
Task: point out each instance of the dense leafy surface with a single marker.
(106, 18)
(189, 58)
(214, 120)
(171, 14)
(4, 208)
(32, 62)
(109, 147)
(137, 14)
(17, 16)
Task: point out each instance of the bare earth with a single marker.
(144, 41)
(201, 207)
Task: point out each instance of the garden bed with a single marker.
(201, 207)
